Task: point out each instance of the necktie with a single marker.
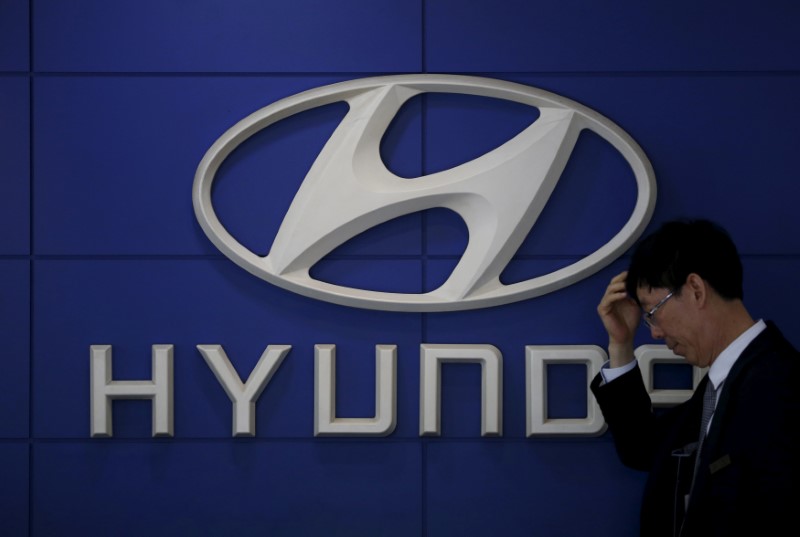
(709, 405)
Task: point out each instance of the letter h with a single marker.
(104, 390)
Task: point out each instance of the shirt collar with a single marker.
(719, 370)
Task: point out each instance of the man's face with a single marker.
(676, 322)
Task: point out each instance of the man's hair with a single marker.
(679, 248)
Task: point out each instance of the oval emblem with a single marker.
(349, 190)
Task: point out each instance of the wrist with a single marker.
(620, 354)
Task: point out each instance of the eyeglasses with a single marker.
(648, 316)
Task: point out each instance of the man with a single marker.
(738, 473)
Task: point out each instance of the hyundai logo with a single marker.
(349, 190)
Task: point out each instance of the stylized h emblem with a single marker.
(349, 190)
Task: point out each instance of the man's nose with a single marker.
(656, 332)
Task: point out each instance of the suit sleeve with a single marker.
(627, 409)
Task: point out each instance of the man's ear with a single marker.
(697, 288)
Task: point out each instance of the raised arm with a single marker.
(620, 315)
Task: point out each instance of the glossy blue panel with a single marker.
(580, 35)
(14, 489)
(14, 30)
(134, 304)
(15, 334)
(232, 488)
(218, 35)
(530, 488)
(723, 147)
(464, 127)
(116, 159)
(771, 290)
(15, 161)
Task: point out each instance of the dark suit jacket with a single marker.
(749, 463)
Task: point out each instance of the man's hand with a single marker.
(620, 315)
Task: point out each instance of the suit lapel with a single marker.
(712, 458)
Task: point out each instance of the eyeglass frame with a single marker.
(648, 316)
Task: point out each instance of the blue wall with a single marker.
(106, 108)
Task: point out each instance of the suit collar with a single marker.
(723, 364)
